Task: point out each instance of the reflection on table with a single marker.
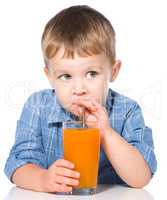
(104, 192)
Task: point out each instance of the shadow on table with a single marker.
(104, 192)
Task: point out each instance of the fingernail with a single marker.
(77, 174)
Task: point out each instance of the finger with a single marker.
(77, 109)
(67, 172)
(87, 104)
(61, 188)
(66, 181)
(87, 99)
(64, 163)
(95, 103)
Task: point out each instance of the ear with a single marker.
(48, 75)
(115, 70)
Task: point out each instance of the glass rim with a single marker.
(78, 122)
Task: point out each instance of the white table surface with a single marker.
(104, 192)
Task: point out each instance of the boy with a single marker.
(79, 52)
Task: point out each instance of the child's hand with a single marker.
(94, 111)
(60, 177)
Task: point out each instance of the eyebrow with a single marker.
(88, 68)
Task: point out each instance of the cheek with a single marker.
(99, 90)
(105, 87)
(64, 96)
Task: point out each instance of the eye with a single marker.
(64, 77)
(91, 74)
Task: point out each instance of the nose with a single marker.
(78, 88)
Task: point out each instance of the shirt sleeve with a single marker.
(140, 136)
(28, 146)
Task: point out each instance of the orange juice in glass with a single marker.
(82, 147)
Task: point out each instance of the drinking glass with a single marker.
(81, 146)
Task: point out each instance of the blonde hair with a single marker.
(81, 30)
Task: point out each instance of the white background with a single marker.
(141, 45)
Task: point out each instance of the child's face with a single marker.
(80, 77)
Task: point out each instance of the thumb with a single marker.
(91, 121)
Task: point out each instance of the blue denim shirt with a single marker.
(38, 137)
